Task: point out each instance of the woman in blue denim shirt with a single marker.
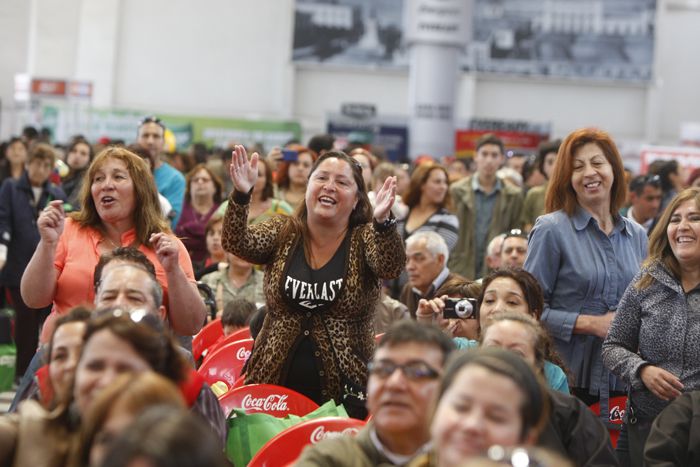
(584, 254)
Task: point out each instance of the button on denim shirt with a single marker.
(583, 271)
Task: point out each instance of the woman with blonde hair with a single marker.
(654, 340)
(120, 207)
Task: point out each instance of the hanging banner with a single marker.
(688, 157)
(517, 136)
(123, 124)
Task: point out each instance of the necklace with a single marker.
(109, 243)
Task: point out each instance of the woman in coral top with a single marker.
(120, 207)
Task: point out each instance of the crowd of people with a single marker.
(512, 293)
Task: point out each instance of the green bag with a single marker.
(247, 433)
(8, 359)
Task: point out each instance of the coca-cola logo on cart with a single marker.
(617, 414)
(320, 433)
(273, 402)
(242, 354)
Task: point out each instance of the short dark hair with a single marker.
(490, 138)
(127, 254)
(459, 286)
(664, 169)
(321, 143)
(166, 435)
(407, 331)
(638, 183)
(256, 321)
(237, 313)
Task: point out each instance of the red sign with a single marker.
(465, 140)
(48, 87)
(687, 156)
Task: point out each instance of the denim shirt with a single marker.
(583, 271)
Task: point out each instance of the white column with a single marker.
(436, 32)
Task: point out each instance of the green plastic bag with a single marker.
(8, 359)
(247, 433)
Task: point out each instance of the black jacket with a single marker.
(675, 435)
(575, 432)
(18, 230)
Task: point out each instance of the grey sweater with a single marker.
(660, 326)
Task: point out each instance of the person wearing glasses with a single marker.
(170, 182)
(584, 255)
(514, 249)
(645, 201)
(403, 378)
(486, 397)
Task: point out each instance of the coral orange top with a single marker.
(76, 257)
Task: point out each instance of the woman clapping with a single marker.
(323, 268)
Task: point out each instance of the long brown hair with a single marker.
(148, 217)
(561, 195)
(419, 178)
(296, 225)
(659, 246)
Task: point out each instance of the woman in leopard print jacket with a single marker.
(323, 267)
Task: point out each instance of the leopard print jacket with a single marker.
(347, 326)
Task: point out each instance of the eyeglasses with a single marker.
(152, 119)
(414, 370)
(515, 233)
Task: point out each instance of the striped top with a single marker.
(443, 222)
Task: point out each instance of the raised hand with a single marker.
(385, 200)
(51, 221)
(167, 250)
(243, 172)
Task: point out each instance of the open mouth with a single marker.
(326, 201)
(592, 185)
(107, 200)
(684, 239)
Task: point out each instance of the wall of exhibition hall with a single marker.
(232, 58)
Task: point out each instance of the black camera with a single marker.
(460, 308)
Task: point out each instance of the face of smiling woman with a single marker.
(332, 192)
(479, 409)
(592, 178)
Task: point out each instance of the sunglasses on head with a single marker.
(640, 182)
(152, 119)
(516, 233)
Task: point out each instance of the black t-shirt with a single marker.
(308, 289)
